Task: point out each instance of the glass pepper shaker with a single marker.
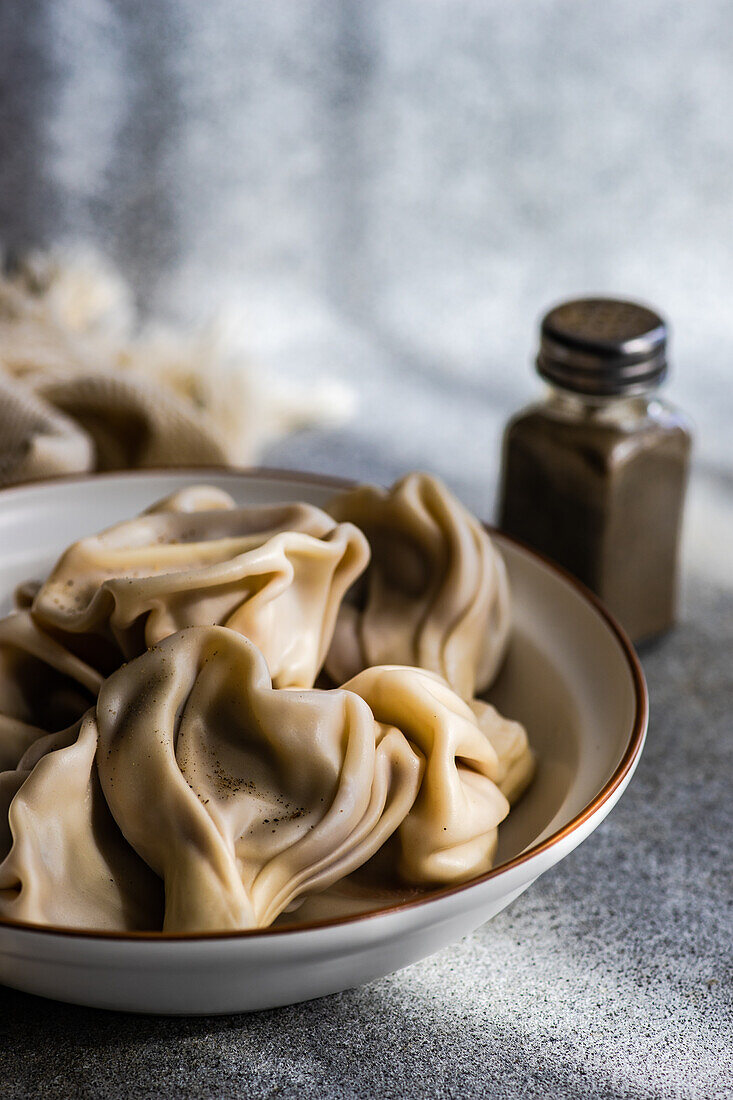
(594, 476)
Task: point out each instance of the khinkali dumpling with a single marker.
(239, 796)
(43, 686)
(435, 593)
(243, 798)
(275, 574)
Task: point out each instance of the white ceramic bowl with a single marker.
(571, 676)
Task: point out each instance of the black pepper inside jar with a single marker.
(594, 476)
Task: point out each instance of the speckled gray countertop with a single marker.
(391, 192)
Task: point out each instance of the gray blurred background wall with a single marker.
(392, 190)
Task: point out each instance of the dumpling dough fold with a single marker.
(435, 594)
(43, 686)
(275, 574)
(451, 831)
(509, 740)
(64, 860)
(194, 498)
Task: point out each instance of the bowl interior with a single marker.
(566, 676)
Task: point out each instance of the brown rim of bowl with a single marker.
(633, 748)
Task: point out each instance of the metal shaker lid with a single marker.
(602, 347)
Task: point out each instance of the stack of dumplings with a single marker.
(212, 717)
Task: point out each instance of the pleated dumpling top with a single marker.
(435, 593)
(275, 574)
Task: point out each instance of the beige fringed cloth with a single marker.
(82, 388)
(97, 423)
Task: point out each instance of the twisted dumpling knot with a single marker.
(276, 574)
(435, 594)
